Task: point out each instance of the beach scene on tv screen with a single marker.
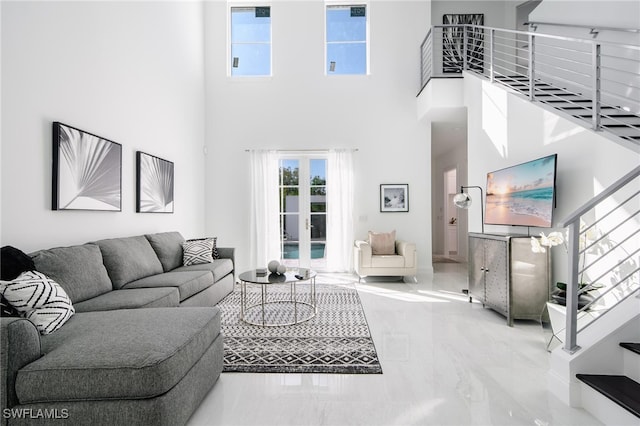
(522, 194)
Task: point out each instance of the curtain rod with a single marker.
(298, 150)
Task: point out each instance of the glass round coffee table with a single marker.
(289, 308)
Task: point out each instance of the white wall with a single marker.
(301, 108)
(504, 129)
(131, 72)
(603, 13)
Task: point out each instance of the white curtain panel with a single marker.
(340, 195)
(265, 227)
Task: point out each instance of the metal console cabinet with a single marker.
(506, 276)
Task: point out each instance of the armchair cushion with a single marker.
(382, 242)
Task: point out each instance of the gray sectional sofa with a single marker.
(114, 362)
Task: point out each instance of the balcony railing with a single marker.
(594, 82)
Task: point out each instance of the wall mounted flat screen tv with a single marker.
(522, 195)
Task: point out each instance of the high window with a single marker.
(250, 41)
(346, 39)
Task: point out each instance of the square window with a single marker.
(250, 41)
(346, 39)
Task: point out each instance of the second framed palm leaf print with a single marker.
(154, 184)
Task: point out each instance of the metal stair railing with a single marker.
(605, 251)
(594, 82)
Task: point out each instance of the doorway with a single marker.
(303, 211)
(450, 214)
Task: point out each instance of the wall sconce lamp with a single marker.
(462, 200)
(332, 66)
(235, 62)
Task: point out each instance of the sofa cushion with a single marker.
(164, 297)
(78, 269)
(129, 259)
(383, 242)
(40, 299)
(220, 268)
(124, 354)
(168, 248)
(187, 282)
(386, 261)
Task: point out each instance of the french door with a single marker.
(303, 210)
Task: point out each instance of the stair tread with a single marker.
(583, 107)
(633, 347)
(611, 115)
(620, 389)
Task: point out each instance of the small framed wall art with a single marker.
(394, 197)
(87, 171)
(154, 184)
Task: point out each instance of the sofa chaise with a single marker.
(144, 346)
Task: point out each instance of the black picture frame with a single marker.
(86, 172)
(394, 197)
(154, 184)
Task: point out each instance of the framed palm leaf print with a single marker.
(154, 184)
(87, 171)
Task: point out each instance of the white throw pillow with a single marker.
(195, 252)
(40, 299)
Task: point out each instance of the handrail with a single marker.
(575, 216)
(549, 36)
(595, 29)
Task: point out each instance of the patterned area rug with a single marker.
(336, 340)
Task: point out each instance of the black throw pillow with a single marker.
(13, 262)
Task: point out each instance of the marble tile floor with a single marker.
(445, 361)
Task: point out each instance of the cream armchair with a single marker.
(402, 263)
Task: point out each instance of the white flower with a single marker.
(555, 239)
(544, 240)
(536, 247)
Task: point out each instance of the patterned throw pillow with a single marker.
(197, 251)
(40, 299)
(214, 251)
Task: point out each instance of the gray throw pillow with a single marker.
(129, 259)
(168, 247)
(78, 269)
